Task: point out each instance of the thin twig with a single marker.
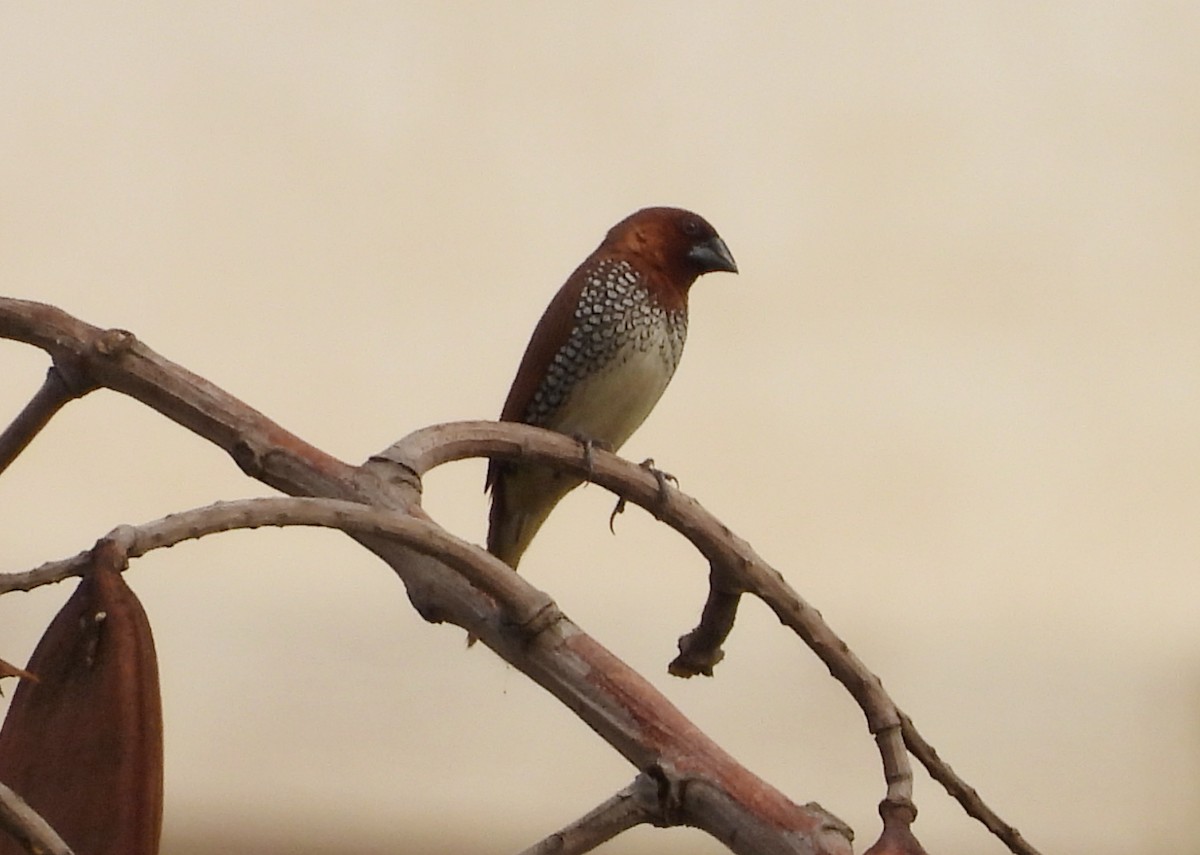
(56, 391)
(622, 811)
(961, 791)
(27, 826)
(116, 359)
(482, 569)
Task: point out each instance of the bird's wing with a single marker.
(548, 337)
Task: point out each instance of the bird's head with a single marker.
(679, 245)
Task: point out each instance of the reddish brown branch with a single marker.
(735, 566)
(116, 360)
(734, 563)
(619, 704)
(720, 796)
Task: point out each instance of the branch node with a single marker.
(897, 837)
(394, 470)
(114, 342)
(546, 616)
(631, 806)
(71, 375)
(66, 380)
(110, 553)
(669, 794)
(247, 458)
(830, 823)
(898, 810)
(125, 537)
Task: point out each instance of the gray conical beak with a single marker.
(713, 255)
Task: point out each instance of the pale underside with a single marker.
(605, 407)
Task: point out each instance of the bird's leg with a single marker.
(588, 444)
(661, 477)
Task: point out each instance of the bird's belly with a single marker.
(609, 404)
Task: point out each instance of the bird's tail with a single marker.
(522, 499)
(505, 539)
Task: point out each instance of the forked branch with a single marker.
(60, 386)
(449, 580)
(721, 797)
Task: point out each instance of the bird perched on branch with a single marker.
(601, 356)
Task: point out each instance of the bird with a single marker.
(600, 358)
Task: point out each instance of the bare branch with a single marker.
(27, 827)
(734, 563)
(523, 604)
(115, 359)
(700, 650)
(720, 797)
(963, 792)
(60, 386)
(735, 566)
(632, 806)
(613, 699)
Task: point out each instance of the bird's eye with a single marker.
(691, 228)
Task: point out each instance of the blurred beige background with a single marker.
(954, 395)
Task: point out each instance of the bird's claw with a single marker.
(618, 509)
(589, 444)
(660, 476)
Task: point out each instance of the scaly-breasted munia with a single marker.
(601, 356)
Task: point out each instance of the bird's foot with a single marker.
(660, 476)
(589, 445)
